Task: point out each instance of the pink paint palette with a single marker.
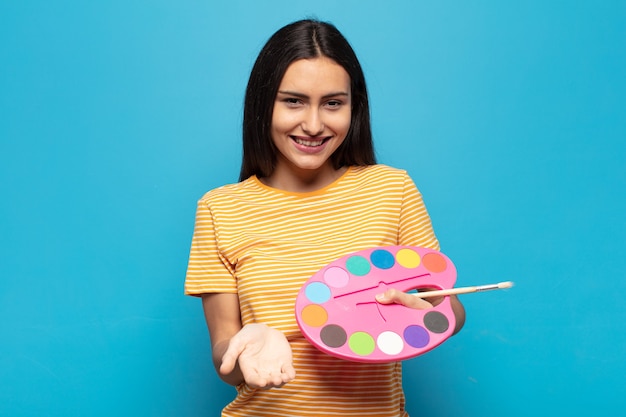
(337, 311)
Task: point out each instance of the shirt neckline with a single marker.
(317, 192)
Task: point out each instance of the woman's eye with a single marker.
(334, 104)
(292, 101)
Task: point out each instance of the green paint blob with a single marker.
(361, 343)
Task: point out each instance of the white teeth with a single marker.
(308, 142)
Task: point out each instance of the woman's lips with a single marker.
(309, 144)
(310, 141)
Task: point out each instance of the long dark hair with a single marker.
(304, 39)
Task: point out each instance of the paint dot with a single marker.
(408, 258)
(317, 292)
(382, 259)
(333, 336)
(416, 336)
(361, 343)
(390, 343)
(358, 265)
(436, 322)
(336, 277)
(314, 315)
(435, 262)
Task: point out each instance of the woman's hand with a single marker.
(392, 296)
(263, 354)
(409, 300)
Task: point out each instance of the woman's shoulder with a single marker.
(229, 191)
(379, 170)
(378, 178)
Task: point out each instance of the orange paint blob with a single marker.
(314, 315)
(434, 262)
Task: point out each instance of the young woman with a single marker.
(310, 192)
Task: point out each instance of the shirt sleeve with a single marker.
(208, 271)
(415, 227)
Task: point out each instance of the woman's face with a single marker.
(311, 117)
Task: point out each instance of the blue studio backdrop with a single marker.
(116, 116)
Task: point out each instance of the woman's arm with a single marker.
(221, 312)
(459, 313)
(255, 354)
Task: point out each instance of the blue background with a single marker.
(116, 116)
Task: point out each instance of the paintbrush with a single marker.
(464, 290)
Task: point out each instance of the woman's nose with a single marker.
(312, 123)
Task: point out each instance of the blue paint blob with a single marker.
(382, 259)
(317, 292)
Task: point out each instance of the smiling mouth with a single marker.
(309, 142)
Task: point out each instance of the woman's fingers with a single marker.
(393, 295)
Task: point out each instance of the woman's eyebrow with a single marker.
(302, 95)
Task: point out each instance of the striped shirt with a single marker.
(263, 244)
